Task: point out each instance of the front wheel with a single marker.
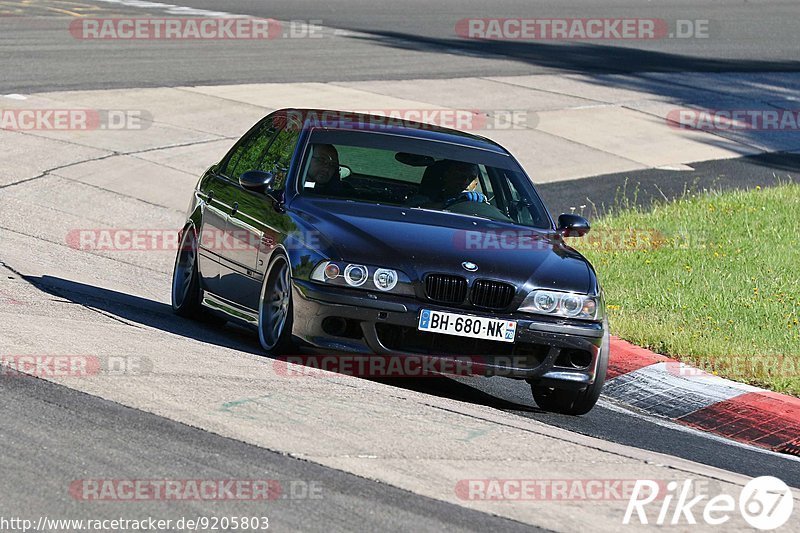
(275, 308)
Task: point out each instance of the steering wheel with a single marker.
(466, 196)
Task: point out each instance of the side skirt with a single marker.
(230, 310)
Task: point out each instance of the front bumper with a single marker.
(545, 352)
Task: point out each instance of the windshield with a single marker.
(395, 170)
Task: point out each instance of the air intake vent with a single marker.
(492, 294)
(446, 289)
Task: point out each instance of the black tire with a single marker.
(275, 310)
(571, 402)
(186, 292)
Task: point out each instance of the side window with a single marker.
(248, 154)
(521, 210)
(279, 155)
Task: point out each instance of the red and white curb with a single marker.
(668, 388)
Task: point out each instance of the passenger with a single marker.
(323, 171)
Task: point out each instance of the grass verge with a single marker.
(711, 279)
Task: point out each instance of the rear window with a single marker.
(378, 164)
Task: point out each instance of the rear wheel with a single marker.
(571, 402)
(187, 294)
(186, 291)
(275, 308)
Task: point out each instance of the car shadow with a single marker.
(445, 387)
(146, 312)
(160, 316)
(578, 57)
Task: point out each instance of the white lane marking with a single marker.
(15, 97)
(677, 167)
(171, 9)
(339, 32)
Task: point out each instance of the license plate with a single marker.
(467, 326)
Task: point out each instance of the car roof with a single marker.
(330, 119)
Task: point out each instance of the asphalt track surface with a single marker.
(50, 428)
(65, 434)
(387, 40)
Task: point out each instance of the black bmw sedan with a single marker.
(344, 233)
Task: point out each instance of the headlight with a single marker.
(385, 279)
(354, 275)
(566, 304)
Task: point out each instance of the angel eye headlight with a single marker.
(572, 305)
(545, 301)
(564, 304)
(356, 275)
(385, 279)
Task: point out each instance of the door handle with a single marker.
(235, 208)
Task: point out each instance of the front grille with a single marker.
(445, 289)
(492, 294)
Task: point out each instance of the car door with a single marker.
(218, 195)
(259, 226)
(238, 256)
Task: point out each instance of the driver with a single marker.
(453, 180)
(323, 172)
(456, 179)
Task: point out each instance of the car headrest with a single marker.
(430, 185)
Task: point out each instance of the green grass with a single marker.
(711, 279)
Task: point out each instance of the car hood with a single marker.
(418, 241)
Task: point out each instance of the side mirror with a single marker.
(572, 225)
(257, 181)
